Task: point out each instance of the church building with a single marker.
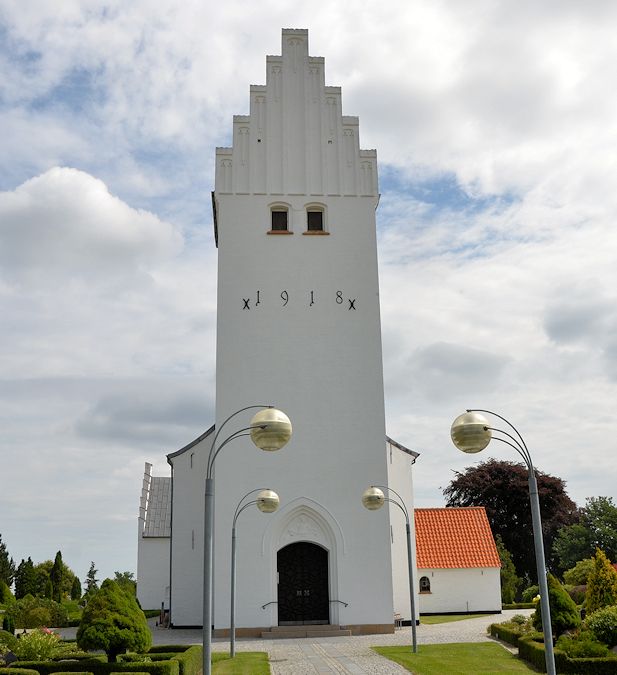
(298, 327)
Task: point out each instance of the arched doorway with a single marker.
(303, 596)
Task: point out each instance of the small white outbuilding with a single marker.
(458, 563)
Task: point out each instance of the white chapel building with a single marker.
(298, 327)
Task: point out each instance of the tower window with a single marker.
(314, 221)
(279, 221)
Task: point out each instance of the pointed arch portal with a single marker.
(303, 596)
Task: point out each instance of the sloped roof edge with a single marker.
(192, 444)
(412, 453)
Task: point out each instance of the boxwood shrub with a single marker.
(603, 624)
(97, 667)
(178, 660)
(531, 649)
(168, 648)
(18, 671)
(501, 632)
(190, 661)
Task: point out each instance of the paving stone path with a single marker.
(348, 655)
(353, 655)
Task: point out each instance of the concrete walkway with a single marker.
(352, 655)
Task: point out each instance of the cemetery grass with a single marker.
(244, 663)
(477, 658)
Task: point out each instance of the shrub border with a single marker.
(177, 660)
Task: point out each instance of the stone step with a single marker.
(309, 631)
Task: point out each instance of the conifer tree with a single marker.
(56, 575)
(113, 622)
(564, 612)
(601, 584)
(510, 581)
(7, 565)
(5, 593)
(25, 579)
(92, 583)
(76, 589)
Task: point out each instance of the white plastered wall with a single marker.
(461, 590)
(153, 572)
(400, 477)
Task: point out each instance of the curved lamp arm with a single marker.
(519, 440)
(236, 434)
(218, 431)
(393, 501)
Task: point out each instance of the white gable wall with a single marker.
(461, 590)
(153, 572)
(400, 479)
(189, 470)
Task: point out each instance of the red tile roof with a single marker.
(454, 538)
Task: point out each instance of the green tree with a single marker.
(57, 575)
(49, 590)
(5, 593)
(113, 622)
(502, 488)
(510, 581)
(578, 575)
(601, 584)
(595, 527)
(76, 589)
(31, 612)
(92, 583)
(43, 572)
(564, 612)
(25, 579)
(7, 565)
(126, 580)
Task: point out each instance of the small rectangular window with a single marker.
(279, 220)
(315, 221)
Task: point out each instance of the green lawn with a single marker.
(481, 658)
(447, 618)
(244, 663)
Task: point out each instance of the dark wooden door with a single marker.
(303, 584)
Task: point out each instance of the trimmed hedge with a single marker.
(532, 651)
(504, 633)
(97, 667)
(155, 649)
(179, 660)
(190, 661)
(519, 605)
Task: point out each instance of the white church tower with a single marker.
(298, 327)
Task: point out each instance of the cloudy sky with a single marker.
(495, 124)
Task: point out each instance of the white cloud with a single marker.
(66, 223)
